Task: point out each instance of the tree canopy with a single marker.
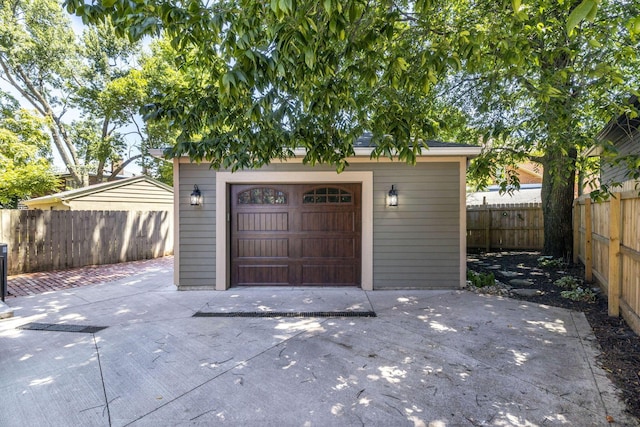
(531, 79)
(262, 79)
(88, 88)
(24, 155)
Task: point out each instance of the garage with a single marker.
(295, 234)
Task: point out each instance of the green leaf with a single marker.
(516, 5)
(579, 14)
(108, 3)
(327, 6)
(592, 13)
(595, 43)
(309, 57)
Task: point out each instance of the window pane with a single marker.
(259, 196)
(327, 195)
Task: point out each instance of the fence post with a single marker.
(588, 247)
(487, 228)
(576, 230)
(613, 294)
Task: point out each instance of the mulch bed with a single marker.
(620, 346)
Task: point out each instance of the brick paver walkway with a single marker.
(37, 283)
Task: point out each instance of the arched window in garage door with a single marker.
(262, 196)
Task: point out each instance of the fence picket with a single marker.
(614, 231)
(505, 226)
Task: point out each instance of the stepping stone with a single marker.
(520, 282)
(494, 267)
(508, 274)
(527, 292)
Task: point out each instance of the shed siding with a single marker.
(625, 143)
(142, 196)
(416, 245)
(197, 260)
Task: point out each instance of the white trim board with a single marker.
(225, 179)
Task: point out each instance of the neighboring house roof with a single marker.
(528, 193)
(92, 189)
(533, 170)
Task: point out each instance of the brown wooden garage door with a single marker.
(295, 234)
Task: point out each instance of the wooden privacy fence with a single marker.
(56, 240)
(508, 226)
(606, 238)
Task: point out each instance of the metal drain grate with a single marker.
(53, 327)
(287, 314)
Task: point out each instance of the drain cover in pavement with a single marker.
(287, 314)
(53, 327)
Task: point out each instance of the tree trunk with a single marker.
(558, 185)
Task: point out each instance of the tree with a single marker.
(60, 75)
(261, 79)
(37, 56)
(541, 85)
(24, 155)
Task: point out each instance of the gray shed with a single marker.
(138, 193)
(623, 133)
(289, 224)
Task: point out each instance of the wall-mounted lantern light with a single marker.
(392, 197)
(196, 196)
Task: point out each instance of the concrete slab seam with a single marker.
(104, 389)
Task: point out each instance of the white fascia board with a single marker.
(157, 153)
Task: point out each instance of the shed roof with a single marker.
(363, 146)
(622, 122)
(96, 188)
(365, 141)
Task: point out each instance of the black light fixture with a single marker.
(392, 197)
(196, 196)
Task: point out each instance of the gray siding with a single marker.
(415, 246)
(626, 143)
(197, 228)
(140, 196)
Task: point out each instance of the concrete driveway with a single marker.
(437, 358)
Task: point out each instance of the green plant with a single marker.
(579, 294)
(481, 280)
(550, 262)
(567, 282)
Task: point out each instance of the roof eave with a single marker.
(44, 200)
(462, 151)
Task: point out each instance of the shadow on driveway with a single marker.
(429, 358)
